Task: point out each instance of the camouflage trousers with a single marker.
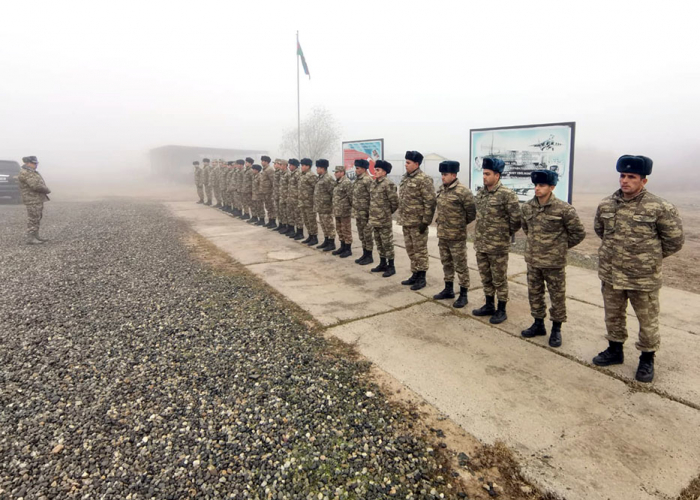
(646, 307)
(270, 207)
(35, 212)
(384, 236)
(228, 198)
(364, 230)
(556, 285)
(493, 269)
(207, 190)
(200, 192)
(344, 228)
(416, 247)
(327, 225)
(258, 208)
(217, 193)
(453, 255)
(293, 214)
(309, 219)
(282, 211)
(247, 202)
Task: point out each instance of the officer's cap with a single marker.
(495, 164)
(195, 163)
(265, 158)
(629, 164)
(414, 156)
(449, 167)
(306, 161)
(340, 168)
(323, 163)
(205, 160)
(282, 162)
(294, 161)
(362, 163)
(249, 160)
(257, 167)
(544, 177)
(384, 165)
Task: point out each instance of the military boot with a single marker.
(313, 240)
(299, 234)
(411, 280)
(390, 269)
(487, 309)
(535, 330)
(43, 240)
(260, 221)
(306, 240)
(347, 252)
(245, 216)
(282, 228)
(326, 241)
(447, 293)
(613, 355)
(462, 299)
(331, 245)
(292, 232)
(200, 202)
(364, 254)
(645, 370)
(208, 203)
(500, 315)
(366, 258)
(252, 220)
(32, 239)
(340, 250)
(381, 267)
(555, 336)
(271, 224)
(420, 281)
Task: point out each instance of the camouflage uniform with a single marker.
(199, 182)
(282, 210)
(636, 235)
(383, 203)
(34, 193)
(551, 230)
(360, 207)
(342, 208)
(416, 207)
(247, 190)
(228, 187)
(216, 182)
(206, 180)
(323, 204)
(276, 179)
(497, 220)
(455, 210)
(307, 184)
(257, 205)
(266, 189)
(293, 213)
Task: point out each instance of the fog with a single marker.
(89, 87)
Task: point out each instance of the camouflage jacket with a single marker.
(284, 186)
(276, 178)
(32, 186)
(215, 177)
(198, 176)
(383, 202)
(637, 234)
(497, 219)
(416, 199)
(342, 197)
(307, 184)
(455, 210)
(268, 174)
(293, 188)
(551, 230)
(361, 189)
(257, 185)
(323, 194)
(247, 180)
(206, 175)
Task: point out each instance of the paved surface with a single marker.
(581, 432)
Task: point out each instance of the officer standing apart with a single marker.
(206, 179)
(497, 220)
(323, 203)
(638, 230)
(455, 210)
(552, 227)
(307, 184)
(342, 210)
(383, 203)
(267, 185)
(282, 213)
(360, 207)
(296, 230)
(34, 193)
(416, 211)
(199, 182)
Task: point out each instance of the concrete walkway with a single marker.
(581, 432)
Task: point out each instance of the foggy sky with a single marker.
(129, 76)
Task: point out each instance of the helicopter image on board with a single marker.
(547, 144)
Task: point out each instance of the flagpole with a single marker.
(298, 104)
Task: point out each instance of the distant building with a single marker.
(174, 163)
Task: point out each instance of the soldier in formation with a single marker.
(323, 203)
(283, 183)
(199, 181)
(307, 184)
(637, 230)
(360, 207)
(228, 187)
(247, 189)
(206, 179)
(296, 230)
(416, 211)
(257, 204)
(342, 211)
(236, 179)
(34, 193)
(552, 227)
(383, 203)
(455, 211)
(267, 186)
(216, 182)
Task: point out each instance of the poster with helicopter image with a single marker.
(524, 149)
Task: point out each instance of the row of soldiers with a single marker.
(637, 229)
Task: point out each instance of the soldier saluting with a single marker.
(638, 230)
(552, 227)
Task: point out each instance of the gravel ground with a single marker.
(128, 369)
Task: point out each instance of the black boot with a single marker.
(261, 222)
(325, 243)
(487, 309)
(447, 293)
(271, 224)
(500, 316)
(381, 267)
(306, 240)
(462, 299)
(340, 249)
(252, 220)
(347, 252)
(366, 258)
(208, 203)
(645, 370)
(420, 281)
(331, 245)
(291, 231)
(200, 202)
(390, 269)
(299, 234)
(536, 329)
(555, 336)
(313, 240)
(411, 280)
(245, 216)
(613, 355)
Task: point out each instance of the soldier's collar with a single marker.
(549, 201)
(618, 195)
(414, 173)
(452, 184)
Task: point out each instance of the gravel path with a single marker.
(130, 370)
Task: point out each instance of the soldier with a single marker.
(455, 210)
(257, 205)
(497, 220)
(276, 176)
(199, 181)
(323, 203)
(282, 211)
(34, 193)
(416, 211)
(238, 188)
(360, 207)
(307, 184)
(227, 188)
(247, 189)
(267, 184)
(216, 182)
(206, 179)
(383, 203)
(638, 230)
(552, 227)
(342, 211)
(296, 229)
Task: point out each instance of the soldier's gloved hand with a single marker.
(422, 227)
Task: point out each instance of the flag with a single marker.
(300, 53)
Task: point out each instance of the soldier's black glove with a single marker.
(422, 227)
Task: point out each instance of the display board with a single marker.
(368, 149)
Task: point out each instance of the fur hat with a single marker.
(414, 156)
(544, 177)
(265, 158)
(257, 167)
(323, 163)
(629, 164)
(294, 161)
(231, 163)
(249, 160)
(384, 165)
(306, 161)
(362, 163)
(30, 159)
(449, 167)
(195, 163)
(240, 162)
(495, 164)
(205, 160)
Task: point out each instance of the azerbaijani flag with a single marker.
(300, 53)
